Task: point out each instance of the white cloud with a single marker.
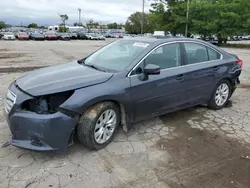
(46, 11)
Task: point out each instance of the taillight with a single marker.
(240, 62)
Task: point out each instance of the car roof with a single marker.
(160, 40)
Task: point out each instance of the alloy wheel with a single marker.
(105, 126)
(221, 94)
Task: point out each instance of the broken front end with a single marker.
(39, 123)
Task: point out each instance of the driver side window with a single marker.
(167, 56)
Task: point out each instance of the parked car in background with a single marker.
(50, 36)
(82, 35)
(9, 36)
(159, 34)
(73, 35)
(23, 36)
(246, 37)
(90, 98)
(127, 36)
(92, 36)
(1, 34)
(37, 36)
(109, 35)
(63, 36)
(101, 37)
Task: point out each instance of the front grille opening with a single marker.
(9, 101)
(48, 104)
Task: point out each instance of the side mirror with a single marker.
(152, 69)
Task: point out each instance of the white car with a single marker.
(159, 34)
(9, 36)
(92, 37)
(101, 37)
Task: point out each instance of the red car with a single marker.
(23, 36)
(50, 36)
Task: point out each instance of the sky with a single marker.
(45, 12)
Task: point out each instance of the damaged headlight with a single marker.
(47, 104)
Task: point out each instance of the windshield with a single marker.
(117, 55)
(37, 34)
(9, 33)
(64, 34)
(22, 34)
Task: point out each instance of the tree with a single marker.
(112, 26)
(133, 24)
(169, 15)
(63, 29)
(32, 25)
(222, 17)
(92, 24)
(2, 24)
(64, 18)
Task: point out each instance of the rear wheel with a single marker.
(98, 125)
(220, 95)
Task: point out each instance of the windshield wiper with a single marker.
(81, 61)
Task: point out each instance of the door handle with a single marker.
(180, 77)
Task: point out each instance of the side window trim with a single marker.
(155, 48)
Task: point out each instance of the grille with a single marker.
(9, 101)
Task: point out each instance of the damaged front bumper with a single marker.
(41, 132)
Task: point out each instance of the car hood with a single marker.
(59, 78)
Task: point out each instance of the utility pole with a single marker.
(142, 20)
(187, 17)
(79, 21)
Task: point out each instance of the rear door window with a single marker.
(195, 53)
(212, 54)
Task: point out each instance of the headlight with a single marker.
(47, 104)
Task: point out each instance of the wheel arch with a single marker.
(122, 108)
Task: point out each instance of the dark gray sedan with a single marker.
(127, 81)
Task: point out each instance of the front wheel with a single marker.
(220, 95)
(97, 126)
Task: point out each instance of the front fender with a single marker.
(83, 98)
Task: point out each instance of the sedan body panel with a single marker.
(141, 96)
(38, 131)
(60, 78)
(159, 93)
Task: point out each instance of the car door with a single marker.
(158, 93)
(202, 66)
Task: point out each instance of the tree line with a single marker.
(206, 17)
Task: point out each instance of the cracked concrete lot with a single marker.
(193, 148)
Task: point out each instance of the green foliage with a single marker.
(32, 25)
(2, 24)
(133, 24)
(206, 17)
(114, 26)
(63, 29)
(64, 18)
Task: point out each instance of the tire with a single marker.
(217, 104)
(87, 129)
